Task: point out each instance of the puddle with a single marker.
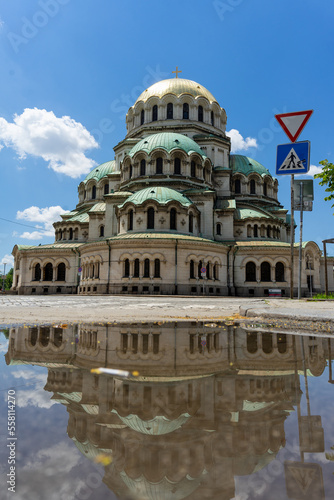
(159, 411)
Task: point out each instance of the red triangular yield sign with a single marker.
(293, 123)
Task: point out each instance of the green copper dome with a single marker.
(176, 86)
(168, 141)
(102, 170)
(162, 195)
(246, 165)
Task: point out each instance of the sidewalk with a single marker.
(113, 308)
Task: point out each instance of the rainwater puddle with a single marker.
(165, 411)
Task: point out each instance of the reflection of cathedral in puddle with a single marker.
(209, 404)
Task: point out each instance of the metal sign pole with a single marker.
(300, 242)
(292, 237)
(326, 275)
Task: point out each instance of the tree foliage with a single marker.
(9, 279)
(327, 178)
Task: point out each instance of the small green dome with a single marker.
(246, 165)
(109, 167)
(168, 141)
(162, 195)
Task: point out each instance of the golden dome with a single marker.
(176, 86)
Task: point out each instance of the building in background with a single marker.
(173, 213)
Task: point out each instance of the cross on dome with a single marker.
(177, 72)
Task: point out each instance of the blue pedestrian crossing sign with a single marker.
(293, 158)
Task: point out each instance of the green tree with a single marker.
(327, 178)
(9, 279)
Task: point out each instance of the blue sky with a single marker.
(71, 69)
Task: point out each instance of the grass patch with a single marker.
(323, 296)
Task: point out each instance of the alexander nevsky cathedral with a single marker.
(173, 213)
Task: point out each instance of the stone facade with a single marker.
(172, 202)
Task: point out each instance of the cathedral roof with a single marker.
(168, 141)
(162, 195)
(177, 87)
(165, 488)
(250, 213)
(109, 167)
(246, 166)
(157, 426)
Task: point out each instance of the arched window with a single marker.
(146, 268)
(101, 231)
(212, 119)
(37, 272)
(158, 166)
(191, 222)
(218, 228)
(150, 218)
(170, 111)
(126, 268)
(93, 192)
(268, 231)
(250, 271)
(255, 231)
(106, 188)
(130, 220)
(136, 269)
(193, 169)
(71, 234)
(33, 334)
(265, 190)
(237, 186)
(200, 113)
(61, 234)
(252, 187)
(208, 271)
(177, 166)
(215, 271)
(48, 272)
(186, 111)
(157, 268)
(142, 117)
(199, 269)
(252, 342)
(172, 219)
(279, 271)
(130, 171)
(267, 342)
(61, 272)
(44, 336)
(265, 271)
(192, 269)
(282, 343)
(143, 167)
(154, 113)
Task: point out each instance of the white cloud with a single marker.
(314, 169)
(7, 259)
(59, 459)
(238, 143)
(35, 397)
(47, 216)
(62, 142)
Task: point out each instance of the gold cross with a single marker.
(177, 72)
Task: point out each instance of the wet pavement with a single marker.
(166, 410)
